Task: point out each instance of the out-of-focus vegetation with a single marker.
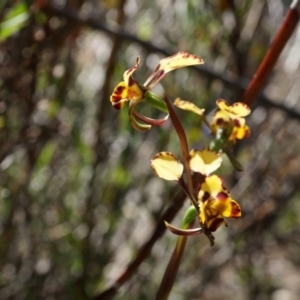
(78, 196)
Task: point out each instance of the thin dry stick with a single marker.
(280, 40)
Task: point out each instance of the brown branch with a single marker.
(270, 59)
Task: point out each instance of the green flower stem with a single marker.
(184, 148)
(174, 262)
(156, 102)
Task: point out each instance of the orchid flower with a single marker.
(134, 92)
(214, 200)
(231, 119)
(215, 203)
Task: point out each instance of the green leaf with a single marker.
(14, 20)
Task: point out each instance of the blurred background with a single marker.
(78, 196)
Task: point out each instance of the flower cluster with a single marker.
(213, 199)
(228, 121)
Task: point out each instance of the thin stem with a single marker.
(267, 65)
(173, 266)
(185, 188)
(184, 148)
(172, 269)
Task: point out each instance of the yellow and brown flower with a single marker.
(130, 90)
(231, 119)
(215, 203)
(214, 199)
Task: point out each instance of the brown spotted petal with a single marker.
(226, 206)
(221, 118)
(123, 93)
(239, 133)
(176, 61)
(119, 95)
(215, 222)
(215, 203)
(210, 188)
(237, 109)
(189, 106)
(209, 217)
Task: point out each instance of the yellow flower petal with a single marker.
(119, 95)
(205, 161)
(179, 60)
(167, 166)
(240, 133)
(186, 105)
(237, 109)
(211, 187)
(220, 118)
(210, 217)
(123, 93)
(202, 214)
(176, 61)
(226, 206)
(135, 93)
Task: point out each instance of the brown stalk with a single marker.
(266, 66)
(172, 268)
(184, 148)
